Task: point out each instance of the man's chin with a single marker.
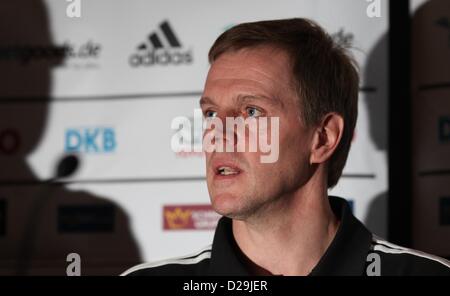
(228, 205)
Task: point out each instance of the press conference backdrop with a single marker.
(431, 125)
(105, 87)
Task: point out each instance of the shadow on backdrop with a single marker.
(430, 157)
(376, 75)
(41, 222)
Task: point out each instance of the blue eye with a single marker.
(253, 112)
(210, 114)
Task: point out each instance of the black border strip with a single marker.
(99, 181)
(368, 89)
(94, 98)
(434, 86)
(133, 180)
(440, 172)
(41, 99)
(400, 169)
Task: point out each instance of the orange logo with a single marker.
(177, 218)
(189, 217)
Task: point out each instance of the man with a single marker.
(278, 218)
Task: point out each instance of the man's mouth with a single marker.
(227, 171)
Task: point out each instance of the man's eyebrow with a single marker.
(270, 100)
(206, 100)
(242, 98)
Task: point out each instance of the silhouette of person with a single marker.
(376, 75)
(42, 222)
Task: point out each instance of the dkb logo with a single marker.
(90, 140)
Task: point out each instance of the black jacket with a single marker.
(353, 251)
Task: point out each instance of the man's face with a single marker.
(255, 82)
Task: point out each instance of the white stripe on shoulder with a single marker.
(389, 248)
(194, 258)
(380, 241)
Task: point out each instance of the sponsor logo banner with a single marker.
(161, 48)
(444, 211)
(189, 217)
(86, 218)
(3, 217)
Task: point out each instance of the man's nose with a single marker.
(229, 133)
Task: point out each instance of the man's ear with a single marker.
(326, 138)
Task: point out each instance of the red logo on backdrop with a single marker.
(189, 217)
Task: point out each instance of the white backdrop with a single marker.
(117, 118)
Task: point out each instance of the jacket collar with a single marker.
(346, 254)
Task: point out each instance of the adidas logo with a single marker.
(161, 48)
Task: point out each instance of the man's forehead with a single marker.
(261, 62)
